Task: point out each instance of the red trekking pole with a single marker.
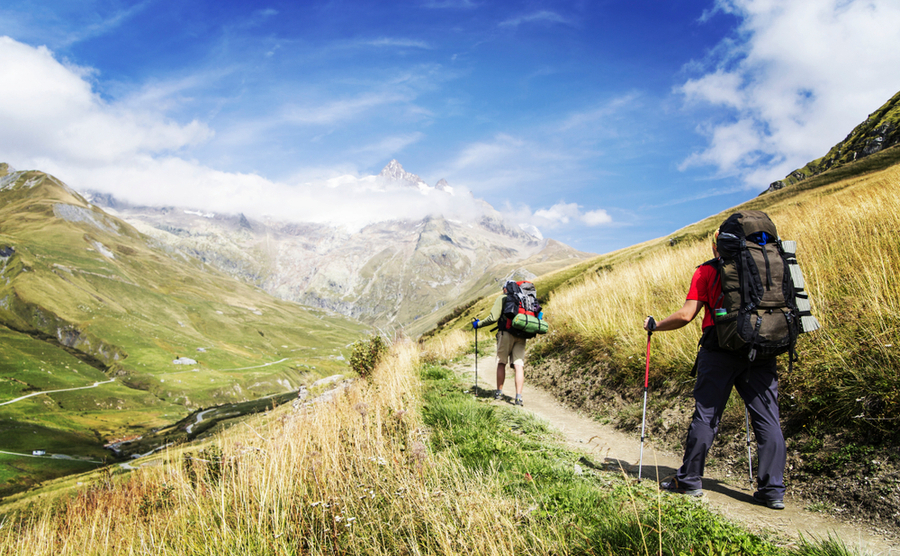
(651, 324)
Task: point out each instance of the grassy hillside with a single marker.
(85, 298)
(881, 130)
(406, 463)
(839, 403)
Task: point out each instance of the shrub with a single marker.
(366, 355)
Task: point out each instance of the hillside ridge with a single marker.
(880, 131)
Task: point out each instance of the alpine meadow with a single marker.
(326, 435)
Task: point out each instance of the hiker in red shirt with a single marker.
(718, 370)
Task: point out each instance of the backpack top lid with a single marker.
(748, 223)
(753, 226)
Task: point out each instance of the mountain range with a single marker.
(389, 274)
(117, 321)
(107, 333)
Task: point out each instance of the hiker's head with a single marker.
(715, 246)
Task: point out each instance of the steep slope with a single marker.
(390, 273)
(880, 131)
(85, 298)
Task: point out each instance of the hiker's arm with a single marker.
(496, 310)
(679, 318)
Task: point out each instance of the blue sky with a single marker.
(604, 123)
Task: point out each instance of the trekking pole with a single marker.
(651, 325)
(749, 457)
(475, 321)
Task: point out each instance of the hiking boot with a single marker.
(673, 485)
(498, 394)
(771, 504)
(519, 400)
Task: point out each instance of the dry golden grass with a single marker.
(848, 248)
(446, 346)
(352, 475)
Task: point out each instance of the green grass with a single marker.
(492, 480)
(594, 511)
(126, 310)
(19, 472)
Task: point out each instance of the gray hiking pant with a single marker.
(757, 384)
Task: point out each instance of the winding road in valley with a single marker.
(725, 495)
(31, 395)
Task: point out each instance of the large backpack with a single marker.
(521, 310)
(762, 308)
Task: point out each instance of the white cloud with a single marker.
(596, 217)
(558, 215)
(795, 80)
(51, 120)
(49, 110)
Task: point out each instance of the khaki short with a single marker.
(510, 348)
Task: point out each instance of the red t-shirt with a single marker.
(706, 289)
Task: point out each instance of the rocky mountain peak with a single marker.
(394, 172)
(442, 185)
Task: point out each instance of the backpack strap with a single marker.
(715, 264)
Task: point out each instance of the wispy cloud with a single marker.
(93, 26)
(387, 147)
(450, 4)
(542, 16)
(401, 43)
(593, 115)
(340, 110)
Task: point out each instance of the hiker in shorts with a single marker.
(509, 349)
(717, 371)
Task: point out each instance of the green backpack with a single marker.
(522, 311)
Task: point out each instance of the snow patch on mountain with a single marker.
(531, 230)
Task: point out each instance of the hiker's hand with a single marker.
(475, 323)
(649, 324)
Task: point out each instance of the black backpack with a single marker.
(762, 308)
(521, 310)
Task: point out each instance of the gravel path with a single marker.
(728, 496)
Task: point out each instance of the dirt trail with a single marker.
(731, 497)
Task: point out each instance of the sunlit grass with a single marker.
(404, 463)
(850, 255)
(353, 475)
(445, 347)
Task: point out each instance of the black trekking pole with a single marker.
(749, 457)
(651, 325)
(475, 326)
